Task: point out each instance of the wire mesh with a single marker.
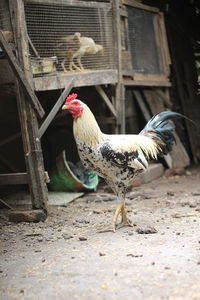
(144, 51)
(5, 23)
(58, 30)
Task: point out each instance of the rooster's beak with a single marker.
(65, 107)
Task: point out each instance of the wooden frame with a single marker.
(161, 44)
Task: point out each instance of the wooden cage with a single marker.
(144, 45)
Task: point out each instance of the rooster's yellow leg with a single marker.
(63, 66)
(118, 211)
(80, 64)
(125, 221)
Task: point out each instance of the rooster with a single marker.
(119, 158)
(76, 46)
(66, 50)
(87, 47)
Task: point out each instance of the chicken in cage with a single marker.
(75, 47)
(81, 39)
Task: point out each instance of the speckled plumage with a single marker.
(119, 158)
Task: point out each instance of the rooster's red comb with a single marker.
(71, 97)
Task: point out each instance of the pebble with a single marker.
(82, 238)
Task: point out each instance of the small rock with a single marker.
(67, 236)
(197, 193)
(170, 193)
(130, 233)
(82, 238)
(102, 254)
(149, 230)
(134, 255)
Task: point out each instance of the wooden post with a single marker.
(28, 120)
(120, 94)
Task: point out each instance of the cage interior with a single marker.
(144, 50)
(58, 30)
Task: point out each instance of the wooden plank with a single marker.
(131, 82)
(152, 77)
(106, 100)
(20, 76)
(90, 78)
(33, 47)
(76, 3)
(142, 105)
(119, 89)
(56, 107)
(139, 5)
(17, 178)
(27, 116)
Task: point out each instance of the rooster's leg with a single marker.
(80, 64)
(72, 64)
(125, 221)
(63, 66)
(119, 210)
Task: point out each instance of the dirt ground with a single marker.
(65, 257)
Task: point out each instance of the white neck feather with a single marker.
(86, 128)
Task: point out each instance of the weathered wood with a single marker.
(131, 82)
(56, 107)
(28, 120)
(139, 5)
(71, 3)
(33, 47)
(33, 152)
(89, 78)
(142, 105)
(14, 178)
(119, 89)
(106, 99)
(17, 178)
(20, 76)
(150, 77)
(166, 61)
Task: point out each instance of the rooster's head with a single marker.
(74, 106)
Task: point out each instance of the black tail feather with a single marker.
(161, 130)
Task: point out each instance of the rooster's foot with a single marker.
(107, 229)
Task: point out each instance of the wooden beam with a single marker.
(106, 99)
(87, 78)
(14, 178)
(56, 107)
(131, 82)
(20, 76)
(76, 3)
(17, 178)
(139, 5)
